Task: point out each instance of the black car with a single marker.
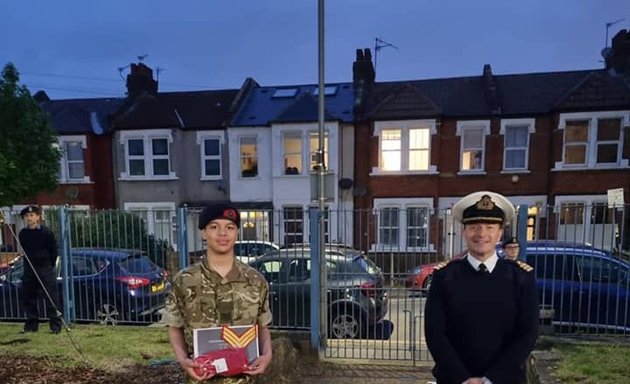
(109, 286)
(356, 297)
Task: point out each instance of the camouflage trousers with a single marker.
(241, 379)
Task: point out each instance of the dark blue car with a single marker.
(588, 288)
(110, 286)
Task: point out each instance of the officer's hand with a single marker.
(474, 380)
(189, 366)
(259, 365)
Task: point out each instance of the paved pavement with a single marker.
(370, 374)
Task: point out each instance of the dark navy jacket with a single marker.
(480, 325)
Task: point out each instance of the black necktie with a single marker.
(483, 269)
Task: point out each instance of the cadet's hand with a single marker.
(474, 380)
(189, 366)
(259, 365)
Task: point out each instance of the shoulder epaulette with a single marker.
(524, 266)
(441, 265)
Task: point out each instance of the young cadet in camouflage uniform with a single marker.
(481, 314)
(219, 290)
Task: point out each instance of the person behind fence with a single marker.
(40, 249)
(511, 248)
(219, 290)
(481, 319)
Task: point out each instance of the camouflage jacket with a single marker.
(201, 298)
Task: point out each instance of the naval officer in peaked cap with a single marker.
(482, 311)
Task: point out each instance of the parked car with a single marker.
(110, 286)
(588, 288)
(248, 250)
(419, 278)
(356, 297)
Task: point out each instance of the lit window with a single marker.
(419, 140)
(292, 147)
(314, 146)
(472, 149)
(391, 144)
(249, 157)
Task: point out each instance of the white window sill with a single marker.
(515, 171)
(211, 178)
(147, 178)
(86, 180)
(471, 173)
(597, 167)
(378, 172)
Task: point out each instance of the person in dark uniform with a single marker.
(511, 248)
(482, 312)
(40, 248)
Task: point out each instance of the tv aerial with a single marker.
(380, 44)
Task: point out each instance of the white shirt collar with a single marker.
(490, 263)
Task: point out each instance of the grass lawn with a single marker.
(594, 362)
(105, 347)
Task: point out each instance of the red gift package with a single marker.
(224, 362)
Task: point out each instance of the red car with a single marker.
(420, 277)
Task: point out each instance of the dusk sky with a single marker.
(73, 48)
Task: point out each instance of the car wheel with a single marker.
(345, 325)
(108, 314)
(427, 283)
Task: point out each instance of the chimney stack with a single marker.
(363, 75)
(140, 80)
(618, 56)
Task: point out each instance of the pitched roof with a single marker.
(185, 110)
(79, 116)
(596, 90)
(266, 105)
(305, 109)
(518, 94)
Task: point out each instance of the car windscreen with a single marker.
(365, 265)
(137, 264)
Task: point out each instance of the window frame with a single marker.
(592, 143)
(150, 208)
(201, 141)
(404, 127)
(147, 137)
(403, 206)
(64, 170)
(298, 235)
(295, 135)
(254, 157)
(462, 128)
(506, 124)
